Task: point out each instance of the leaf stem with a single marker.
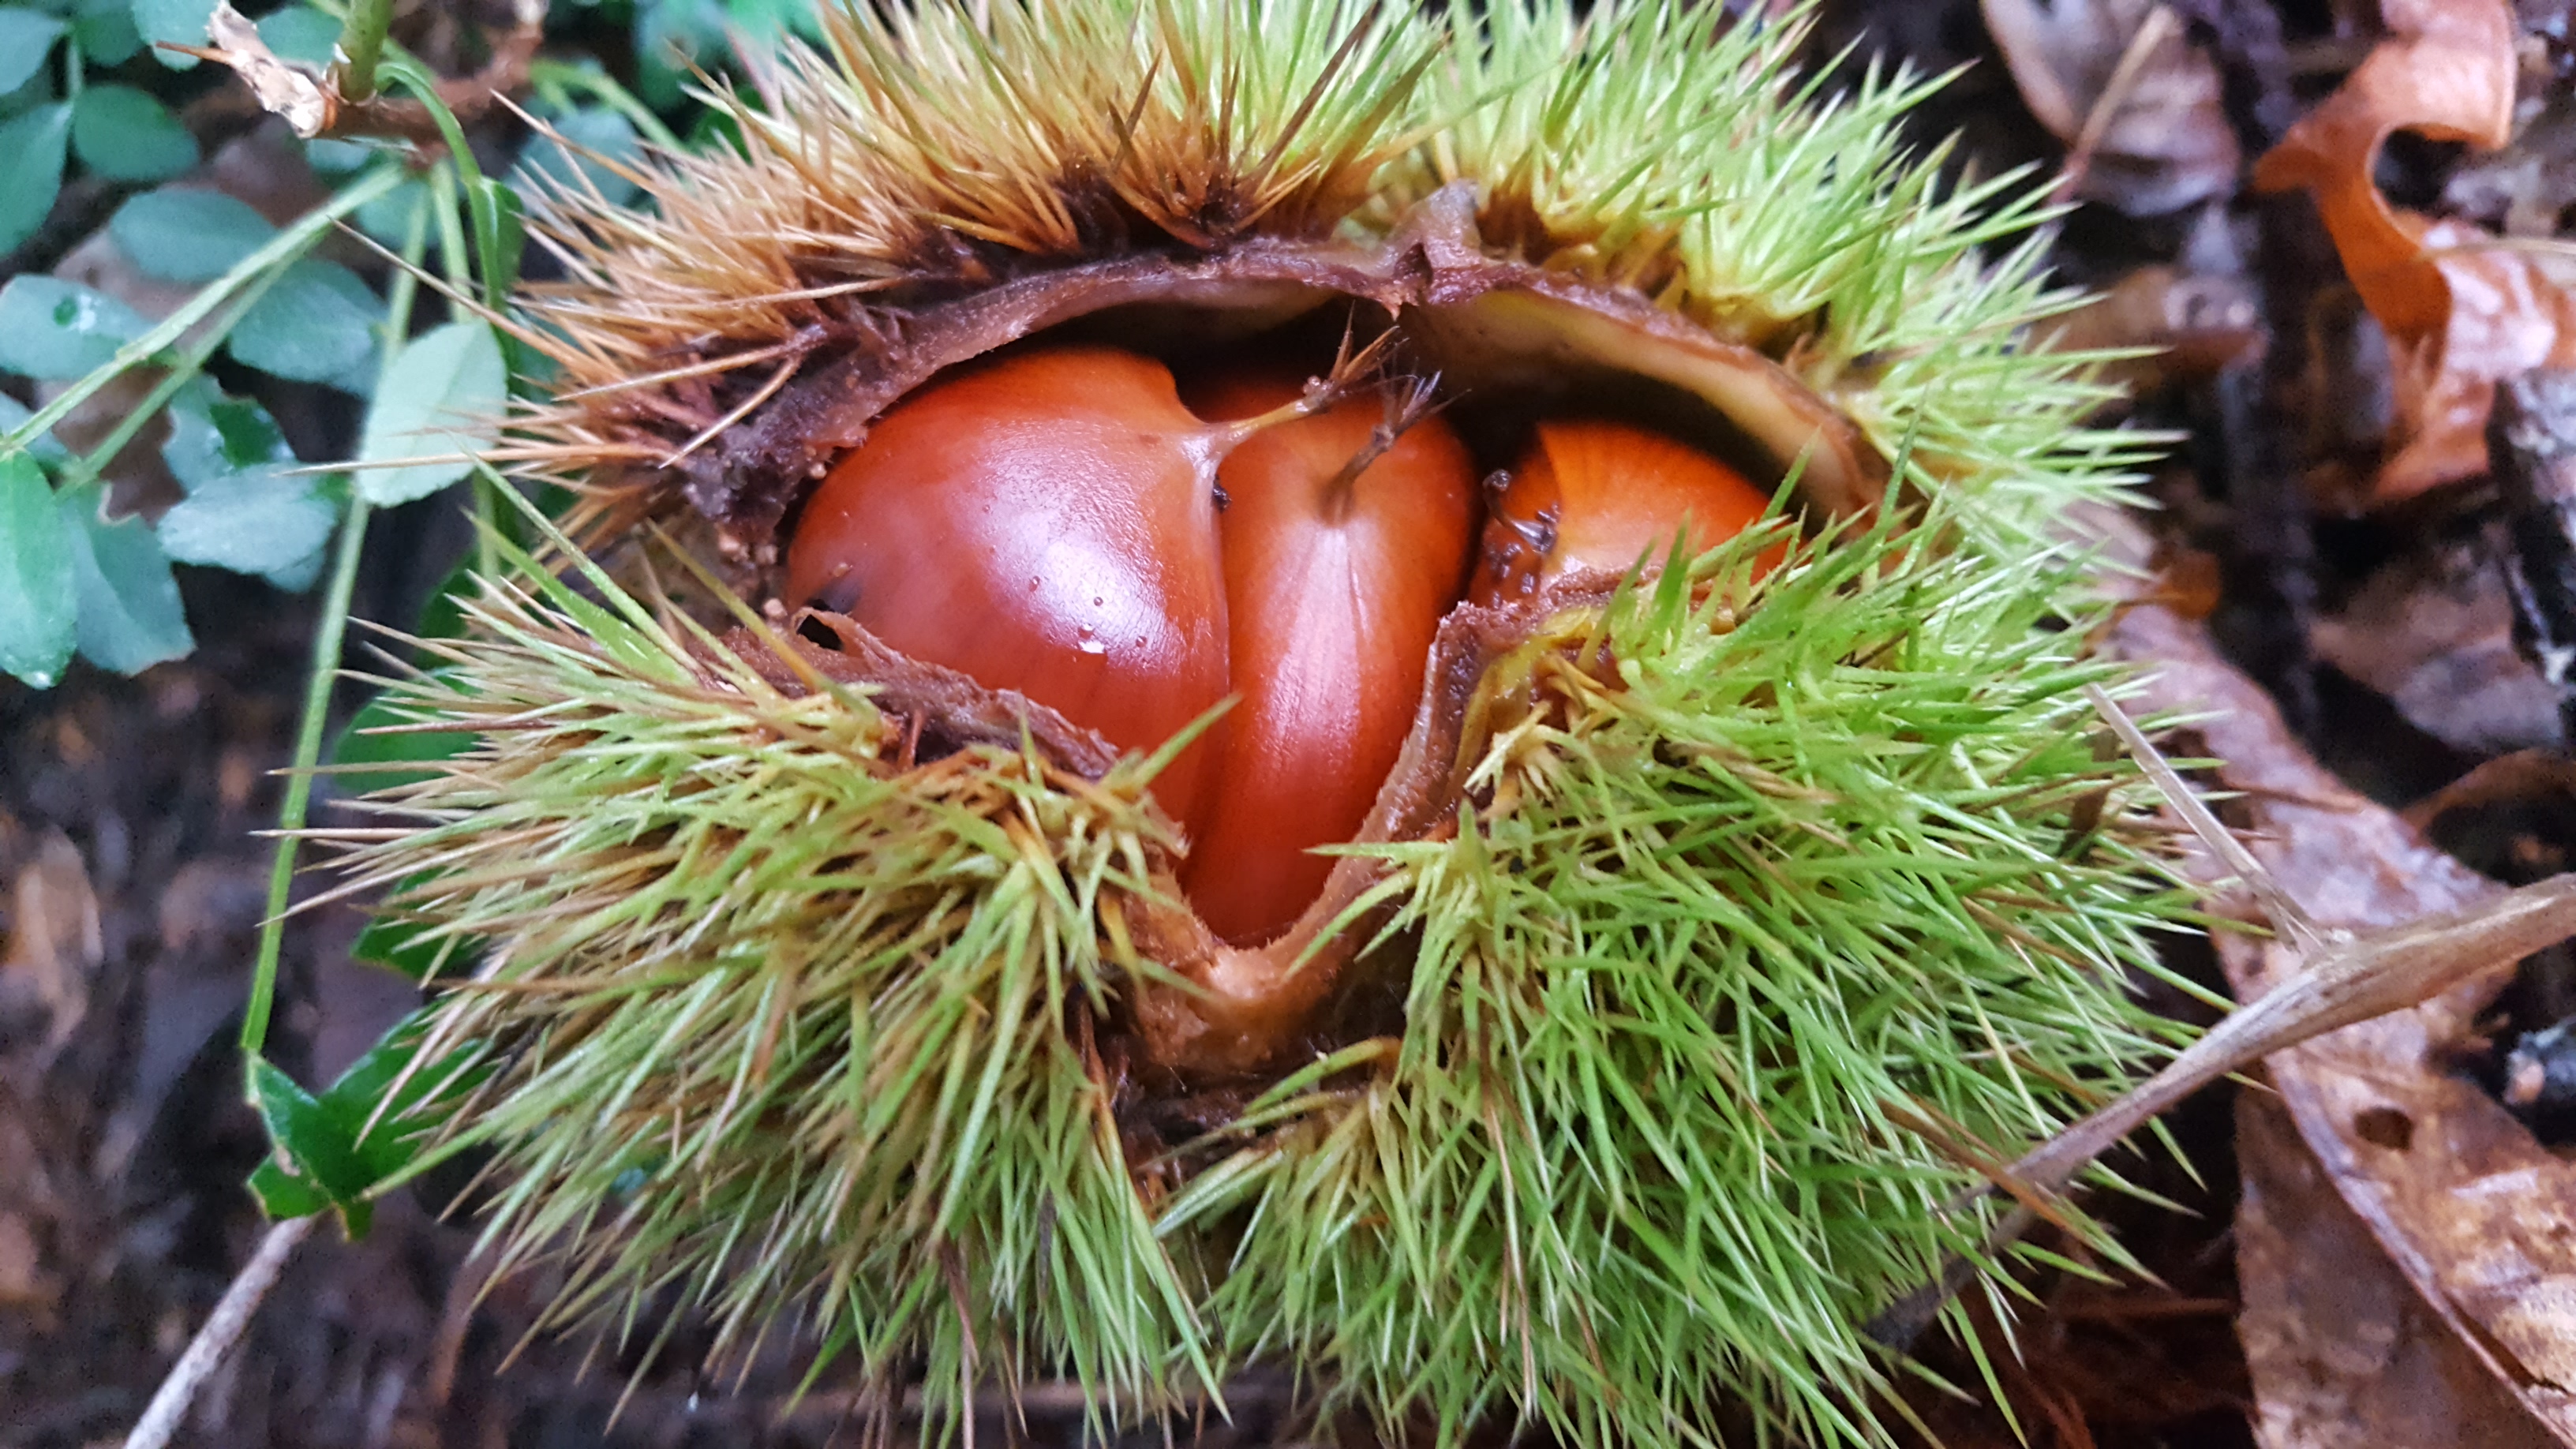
(299, 783)
(452, 256)
(362, 42)
(187, 367)
(327, 637)
(286, 244)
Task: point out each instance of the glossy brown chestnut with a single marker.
(1600, 496)
(1337, 577)
(1045, 523)
(1060, 523)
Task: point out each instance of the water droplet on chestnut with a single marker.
(1076, 469)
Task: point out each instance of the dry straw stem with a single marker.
(2347, 978)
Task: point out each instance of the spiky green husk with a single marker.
(778, 1019)
(1756, 918)
(1655, 145)
(1741, 949)
(1744, 936)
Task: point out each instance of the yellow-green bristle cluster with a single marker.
(1761, 902)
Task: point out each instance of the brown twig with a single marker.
(223, 1328)
(312, 102)
(2348, 978)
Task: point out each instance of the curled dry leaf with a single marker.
(312, 103)
(2461, 313)
(2477, 1215)
(2136, 105)
(298, 93)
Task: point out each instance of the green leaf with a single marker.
(406, 948)
(317, 1153)
(337, 158)
(500, 235)
(50, 328)
(443, 617)
(245, 510)
(300, 32)
(26, 38)
(123, 134)
(333, 1149)
(366, 757)
(388, 217)
(105, 31)
(262, 522)
(590, 137)
(36, 598)
(281, 1194)
(130, 617)
(213, 437)
(182, 22)
(671, 36)
(318, 324)
(31, 170)
(763, 22)
(443, 394)
(183, 234)
(371, 760)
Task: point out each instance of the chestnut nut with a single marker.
(1064, 523)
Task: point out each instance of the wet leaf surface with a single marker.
(2348, 1358)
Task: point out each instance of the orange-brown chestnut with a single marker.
(1343, 549)
(1045, 523)
(1601, 495)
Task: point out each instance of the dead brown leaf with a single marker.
(2475, 1214)
(55, 940)
(2433, 631)
(2348, 1358)
(24, 1284)
(303, 96)
(2461, 312)
(2197, 324)
(312, 101)
(2136, 104)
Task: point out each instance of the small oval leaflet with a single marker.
(35, 576)
(123, 134)
(130, 616)
(26, 38)
(441, 398)
(31, 170)
(184, 234)
(317, 324)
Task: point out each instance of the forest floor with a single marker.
(2294, 526)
